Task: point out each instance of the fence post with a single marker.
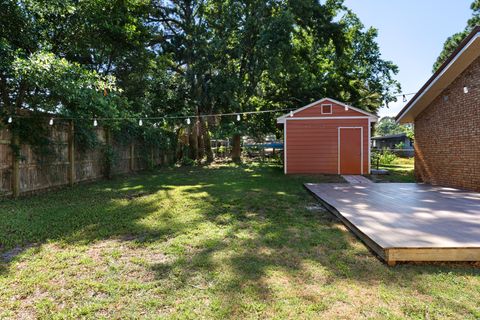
(15, 165)
(71, 153)
(132, 156)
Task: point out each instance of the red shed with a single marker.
(327, 136)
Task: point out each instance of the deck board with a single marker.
(401, 217)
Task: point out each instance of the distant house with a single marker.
(446, 113)
(392, 141)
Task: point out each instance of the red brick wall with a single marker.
(447, 135)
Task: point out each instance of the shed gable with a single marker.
(327, 108)
(320, 109)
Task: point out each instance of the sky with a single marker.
(411, 33)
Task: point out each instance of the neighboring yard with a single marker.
(218, 242)
(401, 170)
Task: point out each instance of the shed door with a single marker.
(350, 150)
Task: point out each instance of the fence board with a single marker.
(50, 171)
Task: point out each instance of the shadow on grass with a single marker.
(260, 214)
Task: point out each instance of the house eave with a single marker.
(466, 53)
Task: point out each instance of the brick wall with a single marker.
(447, 135)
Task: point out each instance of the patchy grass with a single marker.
(220, 242)
(401, 170)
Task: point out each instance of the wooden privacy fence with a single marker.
(28, 172)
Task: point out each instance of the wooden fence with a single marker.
(30, 173)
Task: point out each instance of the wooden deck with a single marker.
(407, 221)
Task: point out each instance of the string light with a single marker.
(164, 119)
(188, 121)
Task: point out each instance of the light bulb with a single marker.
(95, 122)
(188, 120)
(140, 122)
(10, 119)
(346, 108)
(465, 89)
(50, 122)
(238, 117)
(291, 113)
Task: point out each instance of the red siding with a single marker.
(337, 111)
(312, 145)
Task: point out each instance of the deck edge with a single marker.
(392, 255)
(372, 245)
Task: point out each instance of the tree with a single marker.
(387, 126)
(285, 54)
(70, 56)
(155, 58)
(79, 59)
(453, 41)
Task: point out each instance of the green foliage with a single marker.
(453, 41)
(85, 137)
(387, 126)
(385, 156)
(232, 55)
(110, 158)
(142, 58)
(34, 132)
(408, 129)
(186, 160)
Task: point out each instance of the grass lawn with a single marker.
(401, 170)
(218, 242)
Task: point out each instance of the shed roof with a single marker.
(281, 119)
(467, 51)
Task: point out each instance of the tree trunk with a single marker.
(201, 143)
(193, 143)
(179, 146)
(236, 148)
(206, 141)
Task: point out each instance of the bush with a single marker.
(387, 157)
(383, 157)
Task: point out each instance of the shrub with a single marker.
(386, 157)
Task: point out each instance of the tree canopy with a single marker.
(387, 126)
(453, 41)
(142, 58)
